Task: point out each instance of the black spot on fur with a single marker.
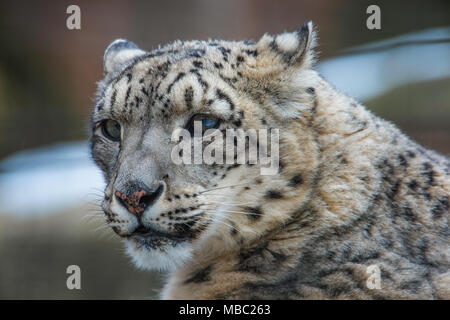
(230, 81)
(253, 53)
(402, 161)
(248, 259)
(195, 53)
(223, 96)
(113, 98)
(413, 185)
(233, 230)
(429, 173)
(426, 195)
(178, 78)
(128, 94)
(255, 213)
(311, 90)
(138, 101)
(233, 166)
(225, 51)
(296, 180)
(239, 59)
(199, 276)
(410, 154)
(198, 64)
(388, 167)
(394, 189)
(408, 214)
(280, 166)
(273, 194)
(412, 285)
(440, 208)
(203, 83)
(188, 97)
(260, 259)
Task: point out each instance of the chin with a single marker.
(167, 257)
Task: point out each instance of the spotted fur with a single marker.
(352, 191)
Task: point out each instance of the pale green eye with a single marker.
(111, 129)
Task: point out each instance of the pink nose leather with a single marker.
(133, 201)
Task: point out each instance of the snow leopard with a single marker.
(355, 209)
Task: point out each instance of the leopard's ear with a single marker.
(118, 54)
(289, 49)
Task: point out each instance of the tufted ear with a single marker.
(289, 49)
(118, 53)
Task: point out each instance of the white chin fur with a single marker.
(167, 259)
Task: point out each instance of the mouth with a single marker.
(153, 238)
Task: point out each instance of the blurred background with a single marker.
(49, 188)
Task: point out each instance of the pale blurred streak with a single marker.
(374, 71)
(49, 179)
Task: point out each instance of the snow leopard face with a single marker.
(166, 212)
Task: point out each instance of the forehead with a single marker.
(176, 78)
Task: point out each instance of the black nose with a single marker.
(136, 197)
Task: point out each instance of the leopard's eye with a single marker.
(111, 130)
(206, 121)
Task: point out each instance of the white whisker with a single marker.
(218, 221)
(236, 185)
(231, 203)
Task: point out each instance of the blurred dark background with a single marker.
(48, 79)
